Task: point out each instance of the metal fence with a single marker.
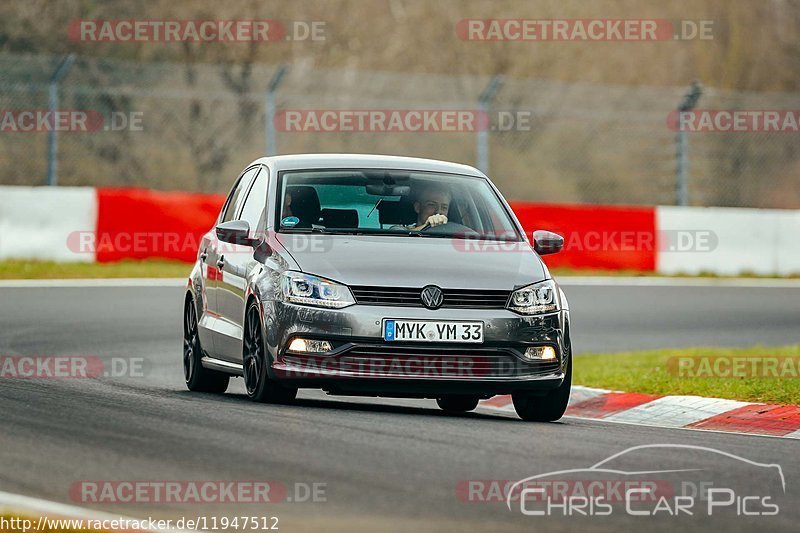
(193, 127)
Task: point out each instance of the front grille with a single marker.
(423, 363)
(410, 297)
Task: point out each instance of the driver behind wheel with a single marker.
(432, 205)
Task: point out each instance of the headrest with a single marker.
(305, 204)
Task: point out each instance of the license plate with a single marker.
(432, 331)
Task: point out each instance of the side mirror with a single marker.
(235, 232)
(547, 242)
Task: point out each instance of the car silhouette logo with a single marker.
(432, 297)
(607, 467)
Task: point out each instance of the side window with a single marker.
(238, 194)
(253, 209)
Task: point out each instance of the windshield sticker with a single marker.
(290, 222)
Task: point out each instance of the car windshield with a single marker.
(392, 202)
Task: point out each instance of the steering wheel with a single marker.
(452, 228)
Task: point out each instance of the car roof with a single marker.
(322, 161)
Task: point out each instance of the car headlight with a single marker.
(535, 299)
(306, 289)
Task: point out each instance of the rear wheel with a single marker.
(457, 404)
(547, 408)
(259, 386)
(197, 378)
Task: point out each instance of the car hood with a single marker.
(415, 261)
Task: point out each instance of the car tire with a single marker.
(198, 378)
(257, 383)
(547, 408)
(457, 404)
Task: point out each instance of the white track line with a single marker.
(90, 283)
(655, 281)
(567, 281)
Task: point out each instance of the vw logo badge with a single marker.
(432, 297)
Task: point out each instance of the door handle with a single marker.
(204, 255)
(221, 262)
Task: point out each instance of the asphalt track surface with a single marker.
(387, 465)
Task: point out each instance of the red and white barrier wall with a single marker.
(102, 225)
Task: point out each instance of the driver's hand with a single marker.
(437, 220)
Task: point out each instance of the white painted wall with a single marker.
(36, 222)
(728, 241)
(788, 243)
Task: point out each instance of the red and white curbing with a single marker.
(689, 412)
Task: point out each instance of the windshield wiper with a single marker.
(420, 233)
(325, 231)
(374, 207)
(312, 229)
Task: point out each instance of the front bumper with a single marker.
(361, 362)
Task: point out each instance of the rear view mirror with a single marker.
(381, 189)
(547, 242)
(235, 232)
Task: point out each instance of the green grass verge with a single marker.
(175, 269)
(123, 269)
(659, 372)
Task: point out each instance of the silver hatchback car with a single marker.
(376, 276)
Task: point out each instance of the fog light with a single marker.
(309, 346)
(541, 353)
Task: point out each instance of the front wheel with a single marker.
(260, 388)
(547, 408)
(198, 378)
